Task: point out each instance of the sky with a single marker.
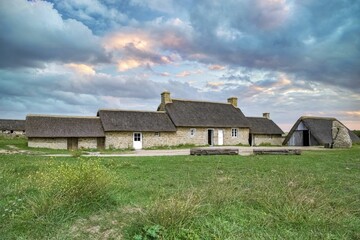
(291, 58)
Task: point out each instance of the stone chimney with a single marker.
(266, 115)
(165, 98)
(233, 101)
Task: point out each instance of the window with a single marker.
(234, 132)
(192, 132)
(137, 137)
(157, 134)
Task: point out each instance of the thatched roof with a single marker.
(320, 128)
(63, 126)
(261, 125)
(186, 113)
(142, 121)
(12, 125)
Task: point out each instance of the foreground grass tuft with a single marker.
(61, 193)
(81, 184)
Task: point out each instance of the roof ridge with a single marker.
(2, 119)
(61, 116)
(127, 110)
(186, 100)
(314, 117)
(259, 118)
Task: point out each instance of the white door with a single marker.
(137, 141)
(220, 137)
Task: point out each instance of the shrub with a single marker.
(76, 153)
(357, 132)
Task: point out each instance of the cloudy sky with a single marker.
(286, 57)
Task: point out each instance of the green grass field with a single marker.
(312, 196)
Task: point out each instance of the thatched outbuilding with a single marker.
(11, 126)
(263, 131)
(64, 132)
(320, 131)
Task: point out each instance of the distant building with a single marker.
(63, 132)
(10, 126)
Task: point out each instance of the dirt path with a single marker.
(243, 151)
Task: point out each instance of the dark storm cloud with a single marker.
(316, 40)
(32, 33)
(64, 92)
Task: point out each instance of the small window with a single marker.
(234, 132)
(157, 134)
(192, 132)
(137, 137)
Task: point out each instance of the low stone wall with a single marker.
(259, 139)
(5, 132)
(87, 143)
(53, 143)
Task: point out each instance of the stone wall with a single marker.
(54, 143)
(119, 140)
(259, 139)
(340, 135)
(181, 136)
(87, 143)
(242, 138)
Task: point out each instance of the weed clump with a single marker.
(174, 213)
(72, 186)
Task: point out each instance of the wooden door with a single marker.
(72, 143)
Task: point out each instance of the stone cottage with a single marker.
(320, 131)
(63, 132)
(206, 123)
(264, 131)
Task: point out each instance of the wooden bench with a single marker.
(214, 151)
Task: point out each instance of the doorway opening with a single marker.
(210, 137)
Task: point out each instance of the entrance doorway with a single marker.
(250, 139)
(220, 137)
(306, 138)
(210, 137)
(137, 141)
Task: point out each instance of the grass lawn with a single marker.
(312, 196)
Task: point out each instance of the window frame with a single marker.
(137, 137)
(234, 132)
(192, 132)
